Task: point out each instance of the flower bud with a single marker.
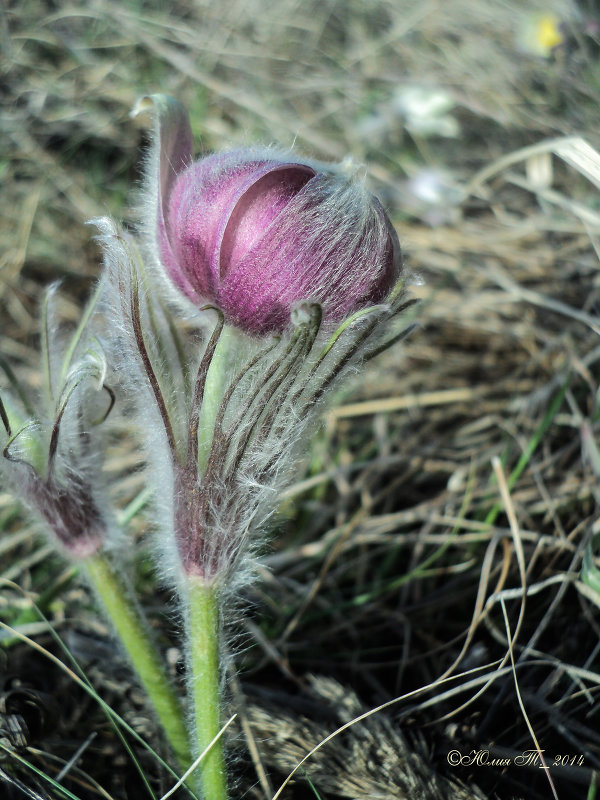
(55, 469)
(255, 233)
(58, 488)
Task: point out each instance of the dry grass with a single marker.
(460, 470)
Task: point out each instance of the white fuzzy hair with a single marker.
(123, 266)
(54, 460)
(273, 404)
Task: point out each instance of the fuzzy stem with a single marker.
(132, 630)
(214, 389)
(203, 632)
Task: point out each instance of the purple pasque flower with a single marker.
(214, 497)
(254, 232)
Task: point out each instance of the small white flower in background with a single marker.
(432, 195)
(426, 111)
(429, 187)
(422, 111)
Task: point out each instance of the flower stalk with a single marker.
(216, 384)
(56, 469)
(121, 609)
(203, 636)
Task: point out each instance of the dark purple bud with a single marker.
(56, 471)
(255, 234)
(71, 513)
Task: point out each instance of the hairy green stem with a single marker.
(203, 633)
(132, 630)
(213, 392)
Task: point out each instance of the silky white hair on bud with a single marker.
(53, 453)
(213, 523)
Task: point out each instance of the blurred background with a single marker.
(401, 551)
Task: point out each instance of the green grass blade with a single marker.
(532, 446)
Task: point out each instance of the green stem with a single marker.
(132, 629)
(203, 632)
(213, 394)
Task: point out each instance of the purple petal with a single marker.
(256, 210)
(332, 243)
(219, 207)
